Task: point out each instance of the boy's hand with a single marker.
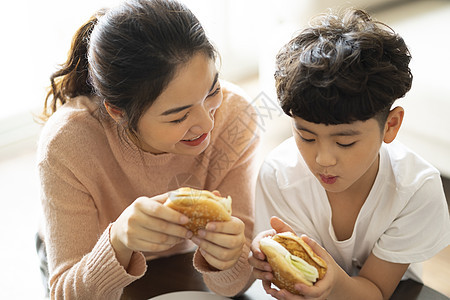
(263, 271)
(321, 290)
(257, 259)
(279, 225)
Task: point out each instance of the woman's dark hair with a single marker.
(127, 56)
(341, 69)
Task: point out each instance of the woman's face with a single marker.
(181, 119)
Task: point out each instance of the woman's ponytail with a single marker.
(127, 56)
(71, 79)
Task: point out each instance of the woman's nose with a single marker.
(205, 121)
(207, 112)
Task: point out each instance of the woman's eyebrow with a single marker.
(178, 109)
(216, 77)
(175, 110)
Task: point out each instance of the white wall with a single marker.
(36, 36)
(426, 127)
(424, 26)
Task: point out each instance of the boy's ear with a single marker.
(114, 112)
(393, 123)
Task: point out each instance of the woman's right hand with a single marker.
(147, 225)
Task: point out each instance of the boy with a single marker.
(376, 208)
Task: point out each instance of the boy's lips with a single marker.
(328, 179)
(195, 141)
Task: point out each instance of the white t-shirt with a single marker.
(404, 219)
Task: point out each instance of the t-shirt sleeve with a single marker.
(421, 229)
(285, 203)
(268, 198)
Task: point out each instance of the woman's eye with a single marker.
(346, 145)
(181, 119)
(215, 92)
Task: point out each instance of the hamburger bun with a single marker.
(292, 261)
(199, 206)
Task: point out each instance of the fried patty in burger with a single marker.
(292, 261)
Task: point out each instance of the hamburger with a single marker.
(292, 261)
(200, 206)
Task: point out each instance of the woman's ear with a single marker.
(393, 123)
(114, 112)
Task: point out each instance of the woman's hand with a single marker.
(221, 243)
(147, 225)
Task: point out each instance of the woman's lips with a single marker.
(327, 179)
(195, 142)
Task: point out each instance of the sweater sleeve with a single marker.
(82, 262)
(238, 142)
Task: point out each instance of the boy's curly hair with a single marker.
(341, 69)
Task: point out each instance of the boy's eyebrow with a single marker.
(348, 132)
(298, 127)
(178, 109)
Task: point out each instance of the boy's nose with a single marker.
(325, 158)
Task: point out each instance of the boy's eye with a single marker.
(181, 119)
(306, 140)
(346, 145)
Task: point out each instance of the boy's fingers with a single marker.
(255, 243)
(259, 264)
(268, 287)
(217, 193)
(314, 245)
(279, 225)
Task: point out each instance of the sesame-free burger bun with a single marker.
(292, 261)
(200, 206)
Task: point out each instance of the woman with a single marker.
(138, 110)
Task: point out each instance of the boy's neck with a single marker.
(346, 205)
(360, 190)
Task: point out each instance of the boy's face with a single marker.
(344, 157)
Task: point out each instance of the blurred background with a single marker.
(35, 38)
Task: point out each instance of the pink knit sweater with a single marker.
(90, 173)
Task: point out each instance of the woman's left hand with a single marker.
(221, 243)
